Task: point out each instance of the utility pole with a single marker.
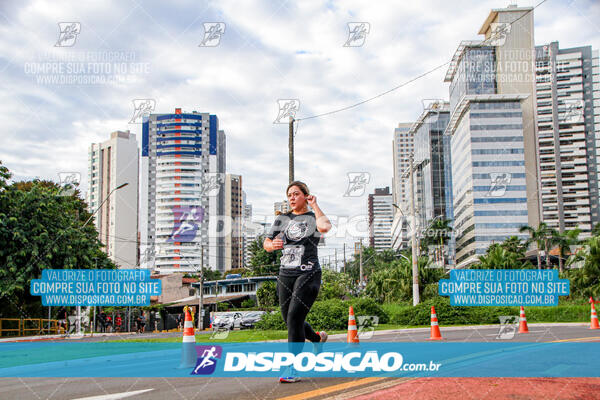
(415, 265)
(360, 274)
(336, 264)
(291, 149)
(344, 257)
(201, 300)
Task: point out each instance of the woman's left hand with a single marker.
(312, 200)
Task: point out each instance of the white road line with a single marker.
(115, 396)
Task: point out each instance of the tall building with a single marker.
(494, 146)
(182, 198)
(111, 164)
(432, 164)
(568, 119)
(402, 147)
(380, 218)
(281, 206)
(234, 245)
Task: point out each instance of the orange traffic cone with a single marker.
(435, 327)
(594, 322)
(188, 350)
(523, 322)
(352, 332)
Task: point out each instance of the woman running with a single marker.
(297, 233)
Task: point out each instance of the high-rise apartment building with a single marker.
(234, 244)
(568, 118)
(182, 197)
(493, 130)
(402, 147)
(111, 164)
(380, 218)
(281, 206)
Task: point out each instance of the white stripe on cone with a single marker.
(189, 338)
(188, 324)
(351, 327)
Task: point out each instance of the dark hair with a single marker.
(301, 185)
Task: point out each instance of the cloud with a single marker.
(269, 51)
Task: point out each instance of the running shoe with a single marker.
(288, 376)
(289, 379)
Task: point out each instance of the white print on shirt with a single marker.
(296, 230)
(292, 256)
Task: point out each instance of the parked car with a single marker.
(250, 318)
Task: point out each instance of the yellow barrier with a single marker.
(28, 326)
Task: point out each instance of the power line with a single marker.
(410, 80)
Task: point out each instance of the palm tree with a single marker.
(497, 257)
(585, 282)
(540, 237)
(564, 240)
(514, 244)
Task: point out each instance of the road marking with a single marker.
(331, 389)
(115, 396)
(576, 339)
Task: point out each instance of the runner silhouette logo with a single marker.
(207, 359)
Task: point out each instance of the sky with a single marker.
(269, 51)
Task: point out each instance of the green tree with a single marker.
(335, 285)
(394, 283)
(261, 261)
(515, 244)
(585, 282)
(267, 294)
(541, 237)
(498, 257)
(41, 229)
(4, 176)
(437, 234)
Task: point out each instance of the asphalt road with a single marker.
(267, 388)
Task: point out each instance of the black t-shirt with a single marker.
(300, 240)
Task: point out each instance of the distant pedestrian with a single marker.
(118, 322)
(142, 323)
(102, 321)
(179, 322)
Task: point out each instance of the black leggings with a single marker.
(296, 296)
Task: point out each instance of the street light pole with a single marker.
(415, 265)
(78, 308)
